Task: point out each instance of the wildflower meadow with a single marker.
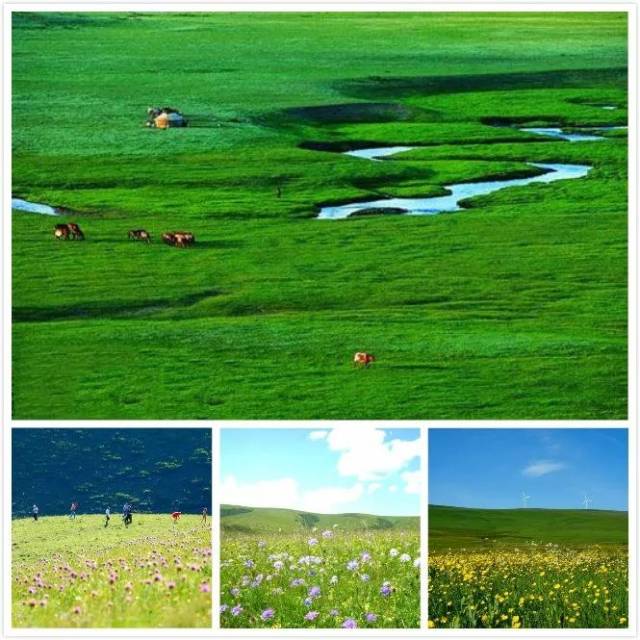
(328, 578)
(533, 586)
(79, 573)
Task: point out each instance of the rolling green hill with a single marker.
(155, 469)
(451, 527)
(252, 520)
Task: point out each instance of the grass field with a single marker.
(79, 574)
(515, 308)
(527, 568)
(292, 569)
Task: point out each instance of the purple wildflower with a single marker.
(386, 589)
(237, 610)
(314, 592)
(371, 617)
(267, 614)
(311, 615)
(349, 623)
(352, 565)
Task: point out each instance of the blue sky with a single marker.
(555, 467)
(346, 469)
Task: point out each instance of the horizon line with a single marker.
(456, 506)
(320, 513)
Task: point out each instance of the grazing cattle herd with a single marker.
(180, 239)
(72, 231)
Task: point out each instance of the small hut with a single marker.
(165, 118)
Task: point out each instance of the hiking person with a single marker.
(127, 516)
(73, 509)
(107, 516)
(204, 515)
(35, 511)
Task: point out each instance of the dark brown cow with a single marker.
(75, 232)
(61, 231)
(363, 359)
(140, 234)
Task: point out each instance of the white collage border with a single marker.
(7, 423)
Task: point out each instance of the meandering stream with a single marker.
(457, 192)
(32, 207)
(432, 205)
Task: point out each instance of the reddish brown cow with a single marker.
(363, 359)
(181, 239)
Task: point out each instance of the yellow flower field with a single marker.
(535, 586)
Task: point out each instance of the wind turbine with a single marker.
(587, 501)
(525, 500)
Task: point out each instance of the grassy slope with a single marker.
(254, 520)
(39, 547)
(260, 319)
(455, 527)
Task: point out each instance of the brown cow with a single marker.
(181, 239)
(184, 238)
(140, 234)
(363, 359)
(61, 231)
(169, 238)
(75, 232)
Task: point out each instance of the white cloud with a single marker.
(373, 487)
(365, 455)
(393, 488)
(285, 493)
(318, 435)
(542, 468)
(327, 499)
(413, 480)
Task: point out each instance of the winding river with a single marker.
(457, 192)
(32, 207)
(433, 205)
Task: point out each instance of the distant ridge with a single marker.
(259, 519)
(463, 526)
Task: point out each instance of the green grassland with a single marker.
(255, 520)
(528, 568)
(515, 308)
(455, 527)
(80, 574)
(309, 570)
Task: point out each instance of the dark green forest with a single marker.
(156, 470)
